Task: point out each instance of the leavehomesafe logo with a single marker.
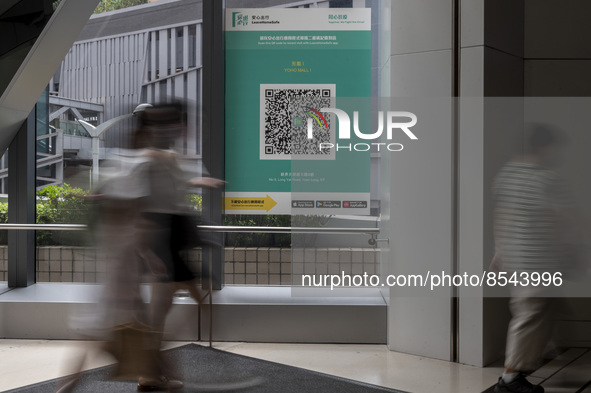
(393, 122)
(241, 19)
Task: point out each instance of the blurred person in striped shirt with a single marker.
(533, 229)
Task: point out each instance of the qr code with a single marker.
(289, 114)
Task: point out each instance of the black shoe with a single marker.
(162, 383)
(518, 385)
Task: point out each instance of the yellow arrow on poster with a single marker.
(238, 203)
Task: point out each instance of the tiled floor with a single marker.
(24, 362)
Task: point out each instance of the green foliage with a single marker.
(62, 205)
(195, 201)
(67, 205)
(3, 213)
(4, 220)
(271, 220)
(56, 205)
(246, 239)
(112, 5)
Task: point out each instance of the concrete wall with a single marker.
(510, 50)
(490, 133)
(557, 54)
(416, 204)
(557, 63)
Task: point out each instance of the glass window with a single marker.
(193, 46)
(122, 60)
(280, 258)
(22, 25)
(179, 49)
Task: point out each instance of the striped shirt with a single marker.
(530, 202)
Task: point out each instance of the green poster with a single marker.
(285, 72)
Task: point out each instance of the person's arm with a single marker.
(209, 182)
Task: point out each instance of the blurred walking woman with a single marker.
(166, 224)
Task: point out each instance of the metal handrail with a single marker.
(46, 227)
(212, 228)
(230, 228)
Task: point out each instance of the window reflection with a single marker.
(142, 54)
(121, 61)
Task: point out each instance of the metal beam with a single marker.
(72, 103)
(21, 205)
(213, 127)
(455, 262)
(58, 113)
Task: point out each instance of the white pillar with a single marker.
(417, 187)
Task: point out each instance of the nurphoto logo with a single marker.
(395, 121)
